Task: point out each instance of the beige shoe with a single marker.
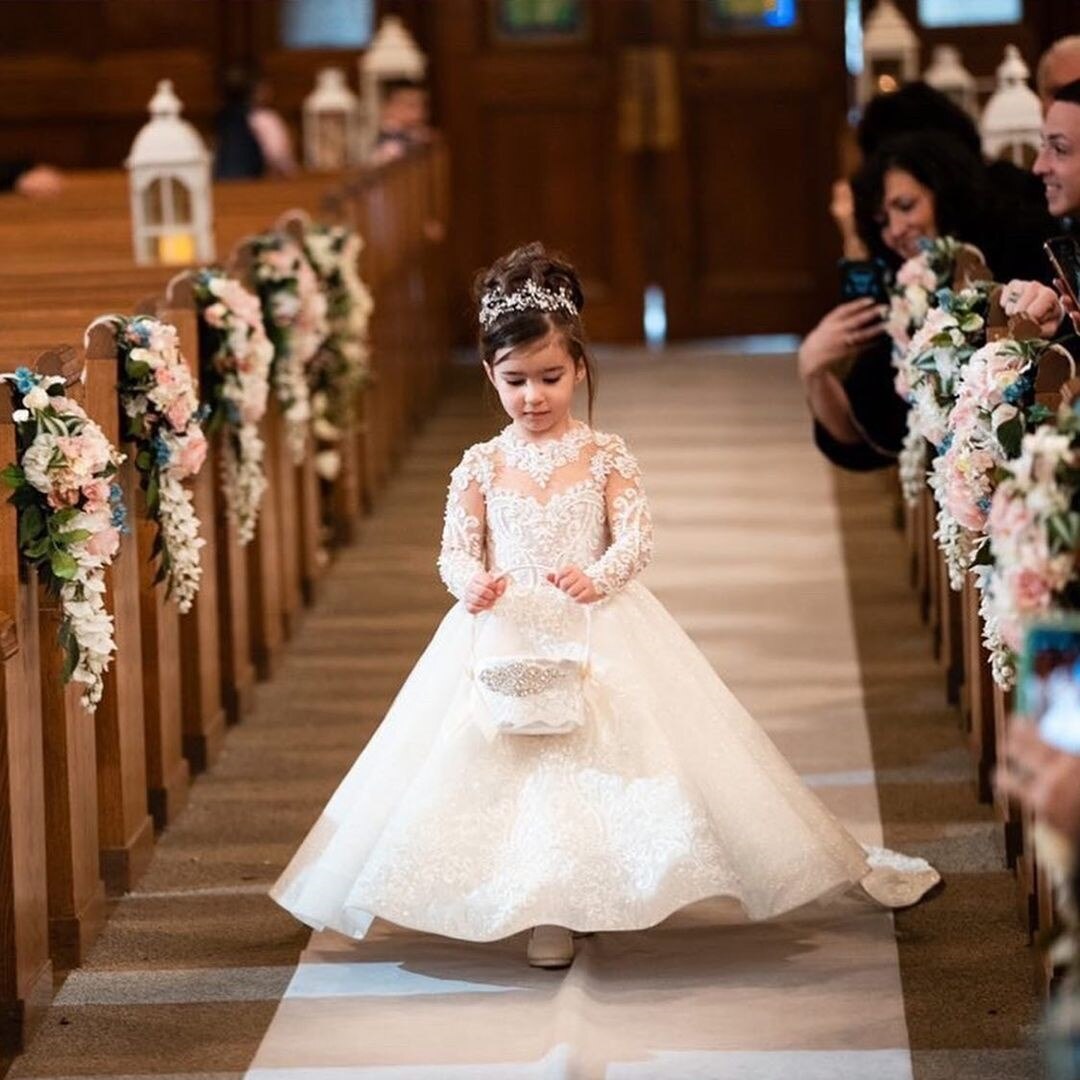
(550, 947)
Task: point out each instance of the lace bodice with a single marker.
(573, 501)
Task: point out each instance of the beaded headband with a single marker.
(530, 297)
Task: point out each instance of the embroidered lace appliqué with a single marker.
(591, 514)
(541, 459)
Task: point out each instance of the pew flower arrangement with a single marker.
(164, 422)
(1033, 527)
(294, 313)
(994, 407)
(342, 366)
(71, 514)
(235, 380)
(928, 322)
(928, 370)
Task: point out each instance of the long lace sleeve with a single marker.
(629, 520)
(461, 554)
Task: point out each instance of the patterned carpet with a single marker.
(792, 581)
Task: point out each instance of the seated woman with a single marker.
(915, 186)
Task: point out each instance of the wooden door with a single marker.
(743, 184)
(532, 117)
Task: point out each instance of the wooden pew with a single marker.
(25, 966)
(72, 268)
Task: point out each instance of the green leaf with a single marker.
(76, 536)
(39, 549)
(1066, 528)
(1009, 435)
(62, 518)
(70, 647)
(142, 460)
(31, 524)
(13, 476)
(63, 565)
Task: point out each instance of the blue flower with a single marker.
(161, 451)
(1015, 394)
(25, 380)
(946, 443)
(946, 300)
(984, 504)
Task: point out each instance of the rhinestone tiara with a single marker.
(530, 297)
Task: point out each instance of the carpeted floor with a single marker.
(190, 970)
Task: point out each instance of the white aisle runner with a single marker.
(749, 560)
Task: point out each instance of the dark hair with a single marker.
(914, 107)
(1070, 92)
(553, 272)
(955, 176)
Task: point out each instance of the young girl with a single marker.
(666, 794)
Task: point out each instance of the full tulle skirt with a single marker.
(670, 793)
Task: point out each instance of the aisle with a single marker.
(187, 978)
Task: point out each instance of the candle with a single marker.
(176, 249)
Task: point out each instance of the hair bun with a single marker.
(531, 262)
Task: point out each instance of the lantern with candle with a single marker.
(331, 123)
(169, 181)
(890, 52)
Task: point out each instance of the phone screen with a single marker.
(1049, 687)
(863, 277)
(1064, 255)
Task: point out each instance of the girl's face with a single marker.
(907, 213)
(536, 384)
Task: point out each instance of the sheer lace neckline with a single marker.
(539, 460)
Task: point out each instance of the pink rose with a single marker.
(1031, 592)
(192, 454)
(165, 375)
(1009, 515)
(62, 496)
(104, 544)
(96, 493)
(179, 413)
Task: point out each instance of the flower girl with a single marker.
(563, 758)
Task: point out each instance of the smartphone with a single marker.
(1049, 684)
(1064, 255)
(863, 277)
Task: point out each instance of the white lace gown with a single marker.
(669, 794)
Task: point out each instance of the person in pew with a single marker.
(562, 758)
(918, 107)
(33, 181)
(915, 186)
(253, 140)
(403, 120)
(1057, 67)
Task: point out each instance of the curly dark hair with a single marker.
(553, 272)
(916, 106)
(955, 176)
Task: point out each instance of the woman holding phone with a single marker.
(916, 186)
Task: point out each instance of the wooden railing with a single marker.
(82, 796)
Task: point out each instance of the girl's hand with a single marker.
(847, 327)
(1037, 301)
(575, 584)
(482, 592)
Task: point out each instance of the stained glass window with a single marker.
(327, 24)
(540, 19)
(750, 14)
(968, 13)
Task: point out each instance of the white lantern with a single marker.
(890, 52)
(331, 122)
(948, 75)
(1012, 120)
(169, 181)
(393, 54)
